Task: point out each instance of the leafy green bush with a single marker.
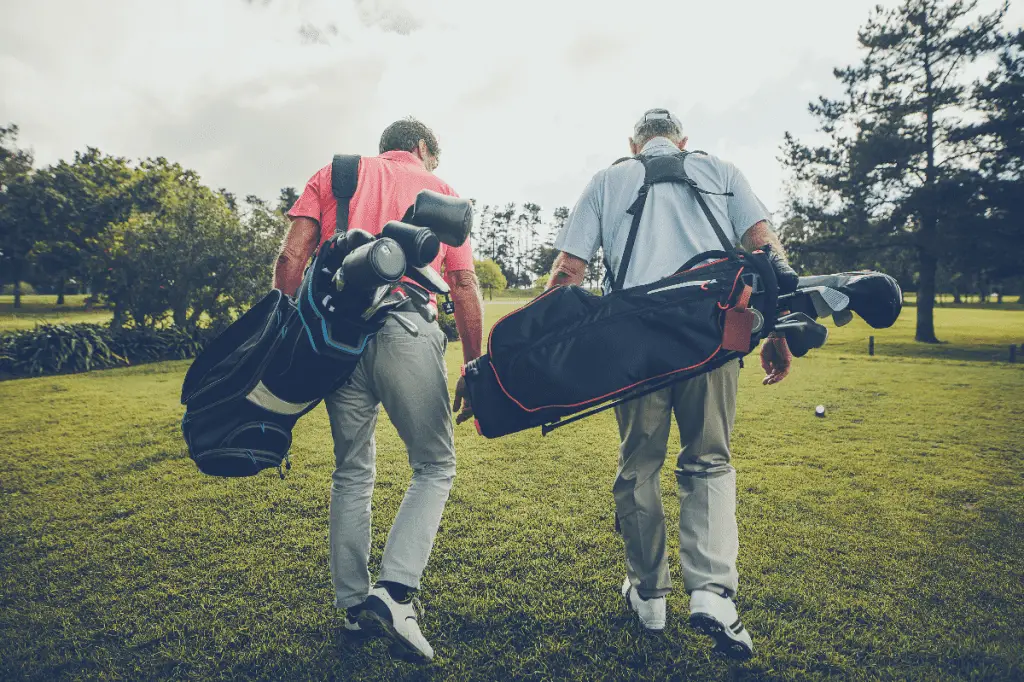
(447, 324)
(26, 289)
(66, 348)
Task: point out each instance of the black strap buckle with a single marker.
(753, 281)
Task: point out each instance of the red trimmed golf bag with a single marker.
(569, 350)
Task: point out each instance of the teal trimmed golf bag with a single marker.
(245, 392)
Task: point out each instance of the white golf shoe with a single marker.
(397, 620)
(715, 616)
(651, 612)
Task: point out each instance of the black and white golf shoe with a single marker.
(397, 620)
(351, 623)
(650, 612)
(715, 616)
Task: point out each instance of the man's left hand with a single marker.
(776, 359)
(462, 399)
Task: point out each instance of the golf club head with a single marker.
(827, 300)
(874, 296)
(385, 299)
(428, 278)
(842, 317)
(802, 333)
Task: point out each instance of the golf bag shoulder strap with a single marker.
(658, 169)
(699, 194)
(344, 178)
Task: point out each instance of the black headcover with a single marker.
(451, 218)
(875, 296)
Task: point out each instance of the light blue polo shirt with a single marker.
(673, 228)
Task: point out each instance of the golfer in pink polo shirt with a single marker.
(405, 373)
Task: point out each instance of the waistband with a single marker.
(426, 311)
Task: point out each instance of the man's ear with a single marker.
(682, 144)
(421, 149)
(634, 149)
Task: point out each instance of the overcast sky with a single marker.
(528, 97)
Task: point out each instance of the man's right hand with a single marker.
(462, 401)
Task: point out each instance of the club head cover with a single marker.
(450, 218)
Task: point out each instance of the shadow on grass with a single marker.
(948, 351)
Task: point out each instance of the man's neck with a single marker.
(658, 142)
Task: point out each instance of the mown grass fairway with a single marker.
(881, 542)
(42, 309)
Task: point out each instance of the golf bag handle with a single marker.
(707, 255)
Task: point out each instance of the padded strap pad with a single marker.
(344, 178)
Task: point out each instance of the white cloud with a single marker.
(528, 98)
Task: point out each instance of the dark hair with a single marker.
(656, 127)
(404, 135)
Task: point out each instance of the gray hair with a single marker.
(657, 127)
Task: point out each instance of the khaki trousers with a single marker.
(407, 375)
(705, 410)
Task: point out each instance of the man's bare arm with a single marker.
(758, 235)
(469, 311)
(567, 270)
(296, 248)
(776, 358)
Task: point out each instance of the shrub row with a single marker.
(69, 348)
(447, 324)
(66, 348)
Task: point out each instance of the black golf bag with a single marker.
(569, 352)
(247, 389)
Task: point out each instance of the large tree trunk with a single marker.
(929, 223)
(119, 317)
(16, 268)
(926, 298)
(60, 291)
(180, 317)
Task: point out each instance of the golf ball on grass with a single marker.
(819, 411)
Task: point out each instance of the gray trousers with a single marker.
(408, 376)
(705, 410)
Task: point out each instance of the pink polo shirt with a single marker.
(387, 187)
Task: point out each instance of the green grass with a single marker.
(882, 542)
(42, 309)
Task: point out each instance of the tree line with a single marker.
(920, 172)
(520, 242)
(152, 241)
(146, 237)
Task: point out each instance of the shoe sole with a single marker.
(374, 622)
(724, 644)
